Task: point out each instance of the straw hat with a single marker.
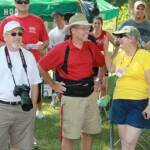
(77, 19)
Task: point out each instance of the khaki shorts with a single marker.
(16, 127)
(80, 115)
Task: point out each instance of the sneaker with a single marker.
(35, 145)
(40, 115)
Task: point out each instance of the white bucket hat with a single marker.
(12, 25)
(77, 19)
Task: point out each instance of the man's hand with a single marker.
(59, 87)
(40, 45)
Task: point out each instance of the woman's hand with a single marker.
(146, 112)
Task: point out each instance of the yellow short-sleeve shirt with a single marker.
(132, 84)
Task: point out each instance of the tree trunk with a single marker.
(131, 3)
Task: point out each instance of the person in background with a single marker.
(57, 34)
(99, 35)
(18, 90)
(140, 22)
(74, 60)
(35, 38)
(130, 108)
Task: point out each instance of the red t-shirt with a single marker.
(80, 61)
(99, 40)
(34, 30)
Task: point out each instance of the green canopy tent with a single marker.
(107, 10)
(44, 8)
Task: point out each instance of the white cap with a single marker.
(12, 25)
(137, 3)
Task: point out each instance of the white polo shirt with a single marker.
(6, 81)
(56, 36)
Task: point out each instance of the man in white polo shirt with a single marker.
(57, 34)
(18, 90)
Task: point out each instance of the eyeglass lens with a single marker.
(96, 22)
(15, 34)
(22, 2)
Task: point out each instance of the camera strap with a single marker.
(10, 63)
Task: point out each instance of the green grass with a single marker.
(47, 132)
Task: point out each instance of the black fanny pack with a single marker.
(80, 88)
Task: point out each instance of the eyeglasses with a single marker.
(83, 28)
(22, 2)
(15, 34)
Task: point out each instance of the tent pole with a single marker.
(116, 27)
(81, 6)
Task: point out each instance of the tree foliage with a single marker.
(117, 2)
(123, 13)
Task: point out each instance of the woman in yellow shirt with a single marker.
(131, 100)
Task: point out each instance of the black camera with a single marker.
(23, 92)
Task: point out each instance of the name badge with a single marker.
(119, 72)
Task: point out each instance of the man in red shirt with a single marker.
(73, 61)
(35, 37)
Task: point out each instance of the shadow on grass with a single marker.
(47, 132)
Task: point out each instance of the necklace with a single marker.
(129, 61)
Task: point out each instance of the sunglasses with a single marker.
(22, 2)
(97, 23)
(15, 34)
(121, 36)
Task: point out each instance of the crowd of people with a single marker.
(79, 54)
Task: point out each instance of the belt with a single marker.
(10, 103)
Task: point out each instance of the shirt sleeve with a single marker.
(53, 58)
(146, 60)
(1, 30)
(43, 31)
